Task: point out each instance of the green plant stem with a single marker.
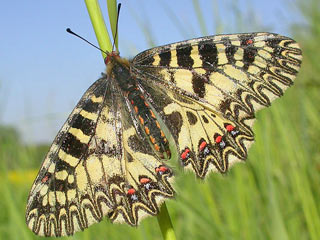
(105, 44)
(113, 14)
(165, 224)
(99, 26)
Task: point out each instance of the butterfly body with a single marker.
(119, 71)
(197, 98)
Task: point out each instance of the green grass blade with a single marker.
(165, 223)
(99, 25)
(113, 14)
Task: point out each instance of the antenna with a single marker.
(116, 33)
(73, 33)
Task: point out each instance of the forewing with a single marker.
(231, 76)
(61, 194)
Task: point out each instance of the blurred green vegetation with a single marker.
(275, 195)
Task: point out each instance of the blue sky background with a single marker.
(44, 71)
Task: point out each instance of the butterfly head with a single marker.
(113, 59)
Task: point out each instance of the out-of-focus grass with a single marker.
(275, 195)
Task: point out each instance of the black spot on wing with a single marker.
(117, 180)
(205, 119)
(250, 51)
(192, 118)
(91, 107)
(100, 90)
(249, 55)
(208, 54)
(36, 204)
(184, 56)
(86, 125)
(136, 145)
(273, 42)
(174, 121)
(61, 185)
(63, 165)
(129, 157)
(230, 50)
(198, 85)
(71, 145)
(165, 58)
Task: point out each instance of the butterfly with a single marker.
(192, 101)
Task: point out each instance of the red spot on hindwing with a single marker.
(229, 128)
(131, 191)
(202, 145)
(161, 169)
(218, 139)
(185, 153)
(144, 180)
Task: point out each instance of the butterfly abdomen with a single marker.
(148, 122)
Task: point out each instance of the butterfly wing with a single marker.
(213, 86)
(96, 166)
